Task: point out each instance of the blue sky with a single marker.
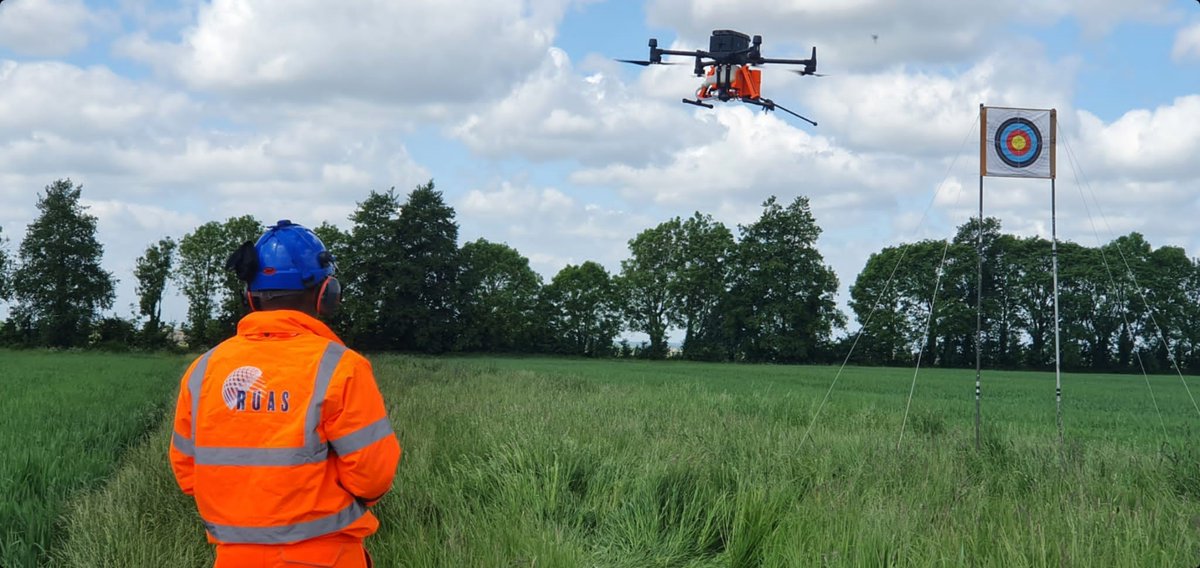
(176, 113)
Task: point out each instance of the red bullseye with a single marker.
(1018, 143)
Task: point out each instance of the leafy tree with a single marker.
(1123, 306)
(1165, 277)
(499, 298)
(781, 304)
(5, 268)
(336, 241)
(428, 272)
(1011, 271)
(113, 334)
(962, 279)
(370, 268)
(1030, 284)
(199, 277)
(705, 250)
(894, 297)
(214, 294)
(582, 310)
(1088, 312)
(647, 282)
(152, 270)
(877, 304)
(401, 267)
(1150, 284)
(60, 286)
(1190, 348)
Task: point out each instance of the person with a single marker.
(280, 432)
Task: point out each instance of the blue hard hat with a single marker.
(290, 257)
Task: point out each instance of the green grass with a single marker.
(552, 462)
(67, 420)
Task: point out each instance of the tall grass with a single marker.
(546, 462)
(65, 421)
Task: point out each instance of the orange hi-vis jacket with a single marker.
(281, 434)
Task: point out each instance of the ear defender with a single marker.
(329, 299)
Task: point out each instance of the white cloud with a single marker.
(84, 104)
(416, 51)
(751, 156)
(1098, 17)
(151, 15)
(127, 138)
(141, 217)
(914, 31)
(1187, 44)
(549, 227)
(748, 156)
(44, 28)
(1143, 144)
(152, 162)
(919, 113)
(556, 114)
(919, 30)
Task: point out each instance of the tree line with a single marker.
(1121, 304)
(757, 293)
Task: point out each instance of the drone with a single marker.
(727, 69)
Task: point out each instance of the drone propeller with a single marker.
(803, 73)
(635, 62)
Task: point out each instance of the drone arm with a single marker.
(696, 53)
(810, 64)
(787, 61)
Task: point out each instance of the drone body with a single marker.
(728, 69)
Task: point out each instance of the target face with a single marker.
(1018, 142)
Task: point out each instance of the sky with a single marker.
(174, 113)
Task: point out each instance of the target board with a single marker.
(1017, 142)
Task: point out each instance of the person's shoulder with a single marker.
(207, 353)
(352, 356)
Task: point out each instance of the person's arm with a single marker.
(359, 432)
(182, 452)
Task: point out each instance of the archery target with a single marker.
(1018, 142)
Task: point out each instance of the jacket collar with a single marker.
(283, 323)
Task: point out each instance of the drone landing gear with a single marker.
(688, 101)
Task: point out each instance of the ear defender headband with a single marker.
(329, 299)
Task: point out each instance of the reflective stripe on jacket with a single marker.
(281, 434)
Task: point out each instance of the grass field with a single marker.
(67, 420)
(549, 462)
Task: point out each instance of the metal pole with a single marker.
(979, 264)
(978, 309)
(1057, 350)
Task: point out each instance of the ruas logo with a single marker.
(245, 388)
